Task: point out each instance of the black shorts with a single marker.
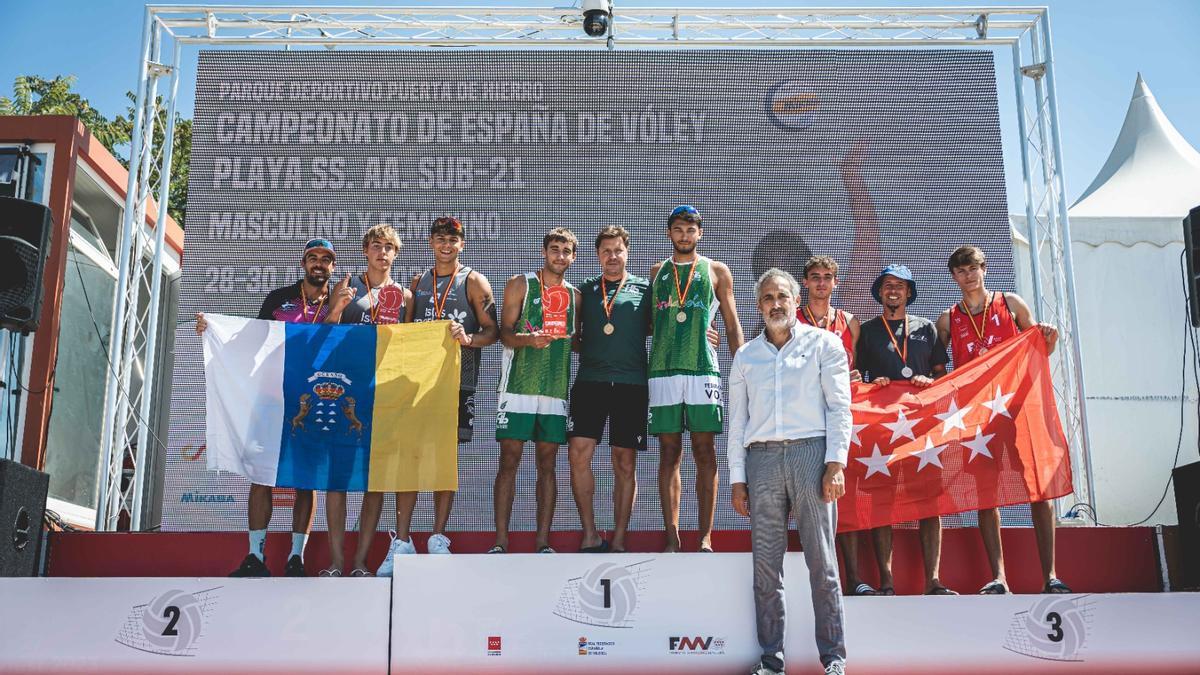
(623, 406)
(466, 415)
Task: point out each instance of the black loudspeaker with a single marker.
(1191, 242)
(1187, 504)
(25, 228)
(22, 507)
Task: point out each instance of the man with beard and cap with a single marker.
(900, 346)
(982, 320)
(789, 440)
(537, 323)
(685, 380)
(305, 301)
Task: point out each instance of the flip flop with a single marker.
(497, 549)
(330, 572)
(1055, 586)
(887, 590)
(706, 549)
(361, 572)
(993, 588)
(546, 549)
(940, 590)
(602, 547)
(863, 589)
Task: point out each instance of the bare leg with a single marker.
(704, 452)
(406, 503)
(368, 522)
(1043, 529)
(624, 492)
(335, 522)
(547, 492)
(930, 533)
(670, 451)
(883, 555)
(442, 501)
(989, 529)
(505, 487)
(258, 510)
(580, 451)
(302, 512)
(849, 544)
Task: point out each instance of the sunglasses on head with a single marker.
(685, 209)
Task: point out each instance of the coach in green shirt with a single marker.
(610, 386)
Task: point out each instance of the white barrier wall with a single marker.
(629, 614)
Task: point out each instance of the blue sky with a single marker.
(1100, 46)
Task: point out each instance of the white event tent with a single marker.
(1127, 242)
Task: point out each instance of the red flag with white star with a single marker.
(986, 435)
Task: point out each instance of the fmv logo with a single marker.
(695, 645)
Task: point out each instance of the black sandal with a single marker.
(994, 588)
(863, 589)
(497, 549)
(1055, 586)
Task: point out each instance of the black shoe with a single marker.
(295, 567)
(251, 567)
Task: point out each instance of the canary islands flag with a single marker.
(333, 407)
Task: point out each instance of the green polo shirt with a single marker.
(620, 357)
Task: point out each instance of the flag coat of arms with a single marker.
(986, 435)
(332, 407)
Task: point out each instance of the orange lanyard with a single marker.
(981, 329)
(304, 306)
(608, 304)
(439, 305)
(813, 321)
(691, 275)
(892, 336)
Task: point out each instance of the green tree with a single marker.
(33, 95)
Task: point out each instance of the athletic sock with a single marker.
(258, 542)
(299, 540)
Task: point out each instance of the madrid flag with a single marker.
(332, 407)
(986, 435)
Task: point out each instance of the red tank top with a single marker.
(840, 328)
(998, 325)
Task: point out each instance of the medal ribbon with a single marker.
(304, 306)
(691, 274)
(981, 329)
(813, 321)
(373, 311)
(902, 354)
(608, 304)
(439, 306)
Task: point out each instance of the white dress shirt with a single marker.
(800, 391)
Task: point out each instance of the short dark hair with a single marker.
(448, 225)
(560, 234)
(613, 232)
(967, 255)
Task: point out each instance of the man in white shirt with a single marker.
(789, 437)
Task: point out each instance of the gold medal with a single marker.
(681, 316)
(609, 329)
(981, 329)
(608, 303)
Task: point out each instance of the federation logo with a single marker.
(606, 596)
(791, 105)
(595, 647)
(695, 645)
(493, 645)
(169, 625)
(1054, 629)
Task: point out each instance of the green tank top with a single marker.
(621, 356)
(539, 372)
(682, 348)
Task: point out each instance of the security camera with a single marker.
(596, 17)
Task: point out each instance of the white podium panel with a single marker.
(190, 625)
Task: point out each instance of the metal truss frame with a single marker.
(1025, 30)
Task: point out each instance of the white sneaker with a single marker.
(397, 547)
(438, 543)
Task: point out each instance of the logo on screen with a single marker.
(687, 644)
(171, 624)
(791, 106)
(1055, 628)
(606, 595)
(493, 645)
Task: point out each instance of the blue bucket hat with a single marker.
(900, 272)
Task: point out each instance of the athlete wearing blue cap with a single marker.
(898, 346)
